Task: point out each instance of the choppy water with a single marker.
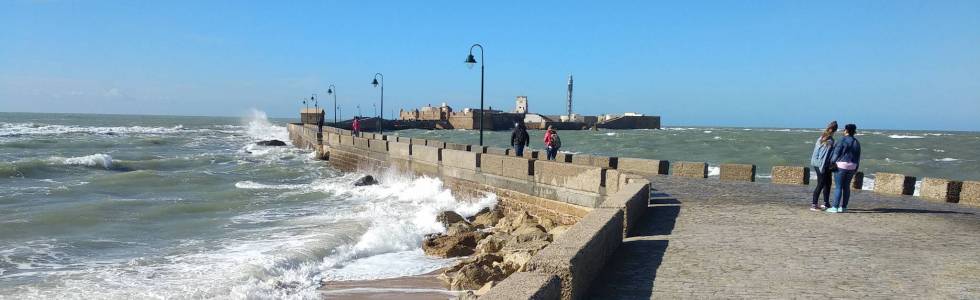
(952, 155)
(187, 207)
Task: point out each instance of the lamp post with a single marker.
(470, 61)
(316, 102)
(375, 82)
(331, 90)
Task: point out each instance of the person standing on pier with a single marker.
(847, 159)
(519, 138)
(552, 142)
(820, 161)
(356, 126)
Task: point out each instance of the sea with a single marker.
(174, 207)
(164, 207)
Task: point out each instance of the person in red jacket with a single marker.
(357, 126)
(552, 142)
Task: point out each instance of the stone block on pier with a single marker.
(526, 285)
(633, 198)
(361, 143)
(431, 155)
(737, 172)
(460, 147)
(595, 160)
(460, 159)
(378, 145)
(507, 166)
(418, 141)
(497, 151)
(790, 175)
(435, 143)
(646, 167)
(576, 177)
(531, 154)
(400, 150)
(941, 190)
(347, 140)
(970, 193)
(564, 157)
(691, 169)
(894, 184)
(478, 149)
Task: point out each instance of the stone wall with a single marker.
(790, 175)
(942, 190)
(737, 172)
(970, 193)
(690, 169)
(641, 166)
(894, 184)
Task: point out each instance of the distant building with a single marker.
(521, 105)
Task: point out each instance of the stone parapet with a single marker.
(942, 190)
(595, 160)
(347, 140)
(647, 167)
(460, 147)
(790, 175)
(460, 159)
(564, 157)
(737, 172)
(378, 145)
(633, 199)
(435, 143)
(420, 142)
(478, 149)
(894, 184)
(526, 285)
(498, 151)
(361, 143)
(690, 169)
(584, 178)
(970, 193)
(431, 155)
(513, 167)
(400, 150)
(578, 255)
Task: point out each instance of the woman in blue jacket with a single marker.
(847, 159)
(820, 162)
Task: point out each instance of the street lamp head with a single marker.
(470, 61)
(329, 91)
(375, 82)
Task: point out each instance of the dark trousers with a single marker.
(519, 149)
(552, 153)
(842, 192)
(824, 180)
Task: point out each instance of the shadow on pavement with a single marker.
(904, 211)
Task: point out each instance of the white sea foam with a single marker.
(945, 159)
(19, 129)
(714, 171)
(611, 133)
(250, 185)
(899, 136)
(259, 128)
(707, 131)
(94, 160)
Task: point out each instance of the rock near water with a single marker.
(366, 180)
(271, 143)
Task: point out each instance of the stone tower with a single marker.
(521, 105)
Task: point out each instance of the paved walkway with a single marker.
(752, 240)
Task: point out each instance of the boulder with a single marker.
(459, 228)
(529, 233)
(487, 218)
(271, 143)
(449, 218)
(492, 243)
(366, 180)
(451, 245)
(558, 230)
(475, 276)
(547, 224)
(516, 256)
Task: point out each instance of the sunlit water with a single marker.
(188, 207)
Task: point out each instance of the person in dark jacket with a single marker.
(820, 162)
(519, 138)
(846, 158)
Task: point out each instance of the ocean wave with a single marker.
(258, 127)
(251, 185)
(94, 160)
(946, 159)
(27, 129)
(899, 136)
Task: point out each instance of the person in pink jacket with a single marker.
(552, 142)
(357, 126)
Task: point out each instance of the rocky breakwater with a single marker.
(493, 244)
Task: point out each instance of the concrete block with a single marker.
(970, 193)
(942, 190)
(633, 199)
(577, 177)
(426, 154)
(478, 149)
(531, 154)
(497, 151)
(400, 150)
(460, 147)
(578, 255)
(790, 175)
(378, 145)
(526, 285)
(894, 184)
(594, 160)
(642, 166)
(460, 159)
(435, 143)
(737, 172)
(513, 167)
(420, 142)
(347, 140)
(564, 157)
(691, 169)
(612, 181)
(361, 143)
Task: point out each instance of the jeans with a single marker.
(519, 149)
(842, 192)
(552, 153)
(823, 186)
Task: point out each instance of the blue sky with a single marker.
(881, 64)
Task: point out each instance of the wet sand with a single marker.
(410, 288)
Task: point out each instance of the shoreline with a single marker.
(416, 287)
